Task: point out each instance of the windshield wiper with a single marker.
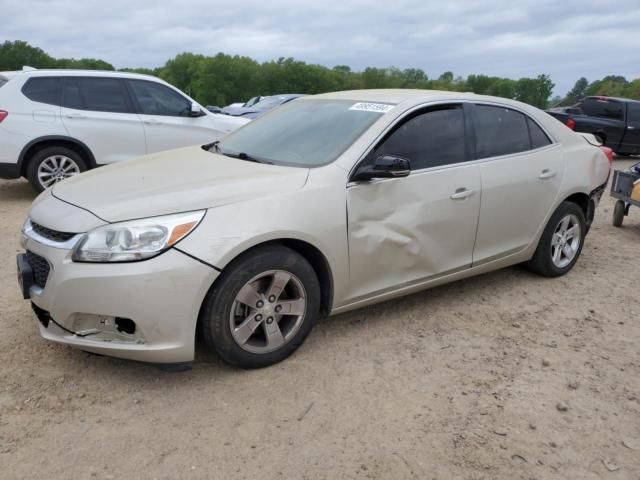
(241, 155)
(244, 156)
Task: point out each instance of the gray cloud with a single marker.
(497, 37)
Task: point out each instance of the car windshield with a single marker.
(3, 80)
(306, 133)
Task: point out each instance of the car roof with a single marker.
(8, 75)
(397, 96)
(61, 72)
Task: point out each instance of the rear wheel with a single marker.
(618, 213)
(261, 308)
(561, 242)
(52, 165)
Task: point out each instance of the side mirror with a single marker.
(385, 166)
(195, 111)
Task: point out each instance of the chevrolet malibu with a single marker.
(328, 204)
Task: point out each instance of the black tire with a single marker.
(215, 319)
(41, 155)
(542, 262)
(618, 213)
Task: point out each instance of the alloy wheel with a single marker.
(268, 311)
(565, 241)
(56, 168)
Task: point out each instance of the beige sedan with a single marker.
(327, 204)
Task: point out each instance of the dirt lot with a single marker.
(464, 381)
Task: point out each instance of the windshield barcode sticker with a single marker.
(371, 107)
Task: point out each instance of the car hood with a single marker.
(239, 111)
(175, 181)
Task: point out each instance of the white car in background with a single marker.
(57, 123)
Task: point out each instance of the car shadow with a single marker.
(207, 366)
(16, 190)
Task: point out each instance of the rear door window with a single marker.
(603, 107)
(499, 131)
(100, 94)
(71, 96)
(156, 99)
(44, 90)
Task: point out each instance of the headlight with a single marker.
(135, 240)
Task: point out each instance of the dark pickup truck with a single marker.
(614, 121)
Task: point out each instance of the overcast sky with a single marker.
(564, 38)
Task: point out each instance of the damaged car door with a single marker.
(405, 230)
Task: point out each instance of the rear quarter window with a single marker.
(539, 139)
(44, 90)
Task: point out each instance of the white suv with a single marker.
(57, 123)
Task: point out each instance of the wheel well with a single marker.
(31, 150)
(584, 202)
(321, 266)
(318, 262)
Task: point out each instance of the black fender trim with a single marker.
(49, 138)
(9, 170)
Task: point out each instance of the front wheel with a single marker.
(261, 308)
(561, 242)
(52, 165)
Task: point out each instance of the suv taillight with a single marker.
(3, 115)
(609, 153)
(571, 123)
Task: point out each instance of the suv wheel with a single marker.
(53, 164)
(261, 308)
(561, 242)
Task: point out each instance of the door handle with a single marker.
(461, 194)
(546, 173)
(75, 115)
(631, 127)
(151, 121)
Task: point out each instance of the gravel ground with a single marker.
(506, 375)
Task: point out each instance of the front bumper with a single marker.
(85, 302)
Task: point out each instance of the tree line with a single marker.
(223, 79)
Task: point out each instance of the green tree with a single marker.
(534, 91)
(82, 64)
(577, 92)
(15, 55)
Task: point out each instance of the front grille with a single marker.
(52, 235)
(40, 268)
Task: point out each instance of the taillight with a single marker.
(3, 115)
(571, 123)
(609, 153)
